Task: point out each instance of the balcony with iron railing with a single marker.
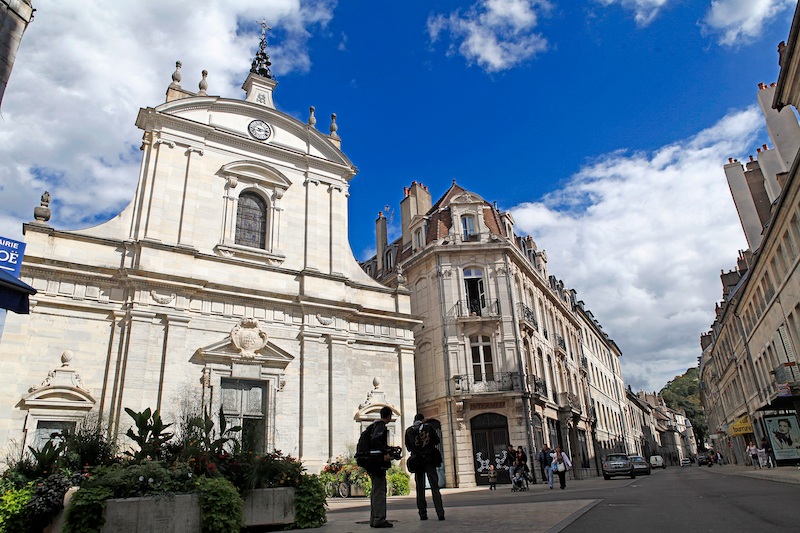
(488, 383)
(539, 387)
(478, 308)
(561, 345)
(568, 401)
(527, 317)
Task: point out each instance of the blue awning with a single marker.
(14, 293)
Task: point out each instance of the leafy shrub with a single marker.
(88, 445)
(345, 470)
(397, 482)
(275, 470)
(12, 508)
(47, 500)
(151, 434)
(85, 512)
(221, 507)
(309, 503)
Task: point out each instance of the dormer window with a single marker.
(419, 238)
(468, 231)
(388, 261)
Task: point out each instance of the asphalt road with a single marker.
(688, 499)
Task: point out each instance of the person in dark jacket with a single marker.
(379, 441)
(421, 441)
(545, 460)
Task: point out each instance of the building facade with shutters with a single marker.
(228, 281)
(505, 353)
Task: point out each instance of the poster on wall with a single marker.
(784, 436)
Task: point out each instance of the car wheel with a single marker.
(606, 477)
(633, 475)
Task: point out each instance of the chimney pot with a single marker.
(751, 158)
(730, 160)
(764, 146)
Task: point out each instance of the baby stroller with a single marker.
(518, 481)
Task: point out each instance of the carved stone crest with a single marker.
(248, 337)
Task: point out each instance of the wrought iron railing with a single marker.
(539, 387)
(528, 315)
(560, 342)
(488, 383)
(478, 308)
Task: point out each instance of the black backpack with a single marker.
(363, 457)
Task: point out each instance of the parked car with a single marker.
(703, 460)
(686, 462)
(617, 464)
(656, 461)
(640, 466)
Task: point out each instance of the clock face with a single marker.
(259, 130)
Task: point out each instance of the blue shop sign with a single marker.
(11, 253)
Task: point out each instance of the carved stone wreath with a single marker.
(248, 337)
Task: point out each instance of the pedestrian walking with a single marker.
(546, 460)
(752, 451)
(561, 464)
(421, 441)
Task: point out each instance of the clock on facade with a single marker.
(259, 130)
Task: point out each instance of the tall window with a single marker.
(482, 365)
(476, 297)
(468, 232)
(251, 221)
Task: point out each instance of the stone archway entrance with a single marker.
(489, 443)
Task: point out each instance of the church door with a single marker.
(244, 403)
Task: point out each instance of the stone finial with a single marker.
(42, 213)
(334, 127)
(376, 382)
(203, 84)
(312, 120)
(66, 357)
(261, 62)
(176, 76)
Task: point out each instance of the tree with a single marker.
(683, 392)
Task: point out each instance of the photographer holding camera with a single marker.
(379, 442)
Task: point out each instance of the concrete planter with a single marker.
(265, 507)
(181, 513)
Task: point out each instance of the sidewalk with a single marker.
(469, 509)
(780, 474)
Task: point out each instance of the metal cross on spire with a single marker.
(261, 62)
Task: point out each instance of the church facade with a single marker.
(228, 281)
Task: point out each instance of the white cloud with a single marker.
(495, 34)
(83, 69)
(643, 237)
(644, 11)
(741, 20)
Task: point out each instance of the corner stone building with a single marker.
(227, 281)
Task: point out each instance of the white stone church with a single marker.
(227, 281)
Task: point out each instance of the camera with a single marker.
(395, 452)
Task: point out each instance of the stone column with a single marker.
(174, 379)
(312, 242)
(339, 245)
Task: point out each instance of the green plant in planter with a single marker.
(46, 459)
(397, 482)
(88, 445)
(150, 434)
(275, 470)
(46, 501)
(221, 506)
(310, 507)
(12, 507)
(85, 513)
(208, 438)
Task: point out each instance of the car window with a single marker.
(619, 457)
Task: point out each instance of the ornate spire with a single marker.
(261, 62)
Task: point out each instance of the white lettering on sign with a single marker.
(9, 257)
(10, 244)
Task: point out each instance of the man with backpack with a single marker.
(421, 441)
(373, 456)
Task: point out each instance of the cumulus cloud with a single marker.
(643, 237)
(495, 34)
(737, 21)
(644, 11)
(83, 69)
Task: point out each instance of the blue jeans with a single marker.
(550, 477)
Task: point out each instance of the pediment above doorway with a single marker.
(248, 343)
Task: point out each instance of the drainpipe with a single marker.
(446, 358)
(526, 395)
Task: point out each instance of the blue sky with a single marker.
(602, 125)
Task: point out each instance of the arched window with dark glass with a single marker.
(251, 221)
